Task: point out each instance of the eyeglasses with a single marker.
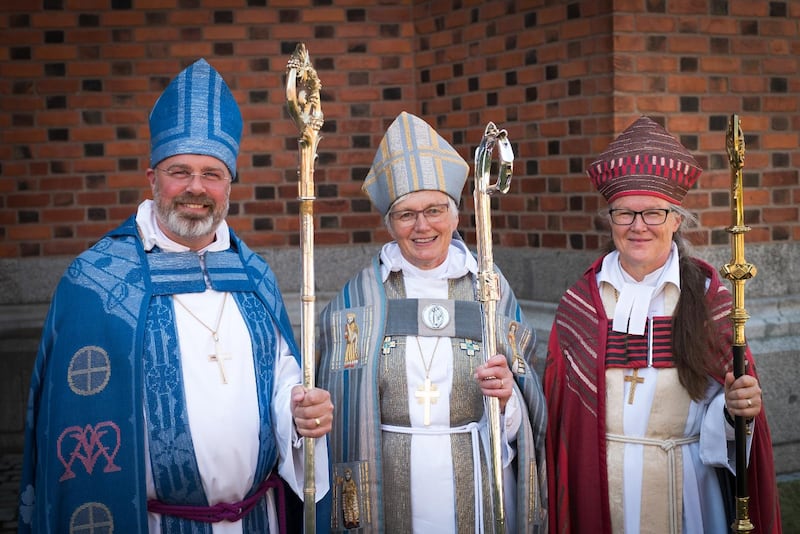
(409, 217)
(211, 177)
(652, 217)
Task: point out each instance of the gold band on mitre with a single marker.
(413, 157)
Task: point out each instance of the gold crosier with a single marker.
(303, 103)
(489, 284)
(738, 271)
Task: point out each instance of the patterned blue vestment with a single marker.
(84, 461)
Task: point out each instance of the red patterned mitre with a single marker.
(645, 160)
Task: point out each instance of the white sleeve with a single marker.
(290, 445)
(717, 446)
(510, 422)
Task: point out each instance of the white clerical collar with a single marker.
(152, 235)
(635, 298)
(459, 262)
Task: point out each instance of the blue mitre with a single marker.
(413, 157)
(196, 114)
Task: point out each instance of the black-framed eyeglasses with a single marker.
(408, 217)
(210, 177)
(651, 217)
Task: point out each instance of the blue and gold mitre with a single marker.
(196, 114)
(413, 157)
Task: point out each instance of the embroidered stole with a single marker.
(175, 471)
(466, 404)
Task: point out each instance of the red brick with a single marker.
(61, 216)
(27, 200)
(619, 80)
(128, 18)
(29, 232)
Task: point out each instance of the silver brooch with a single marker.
(435, 316)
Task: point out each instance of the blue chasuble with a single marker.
(108, 353)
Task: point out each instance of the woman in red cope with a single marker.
(638, 380)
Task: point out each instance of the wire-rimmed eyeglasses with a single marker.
(210, 177)
(409, 217)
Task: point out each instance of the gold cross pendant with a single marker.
(219, 358)
(633, 379)
(427, 394)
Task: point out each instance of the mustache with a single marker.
(204, 200)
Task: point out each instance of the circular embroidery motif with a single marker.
(435, 316)
(92, 518)
(89, 371)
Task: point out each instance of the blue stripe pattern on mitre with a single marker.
(413, 157)
(196, 114)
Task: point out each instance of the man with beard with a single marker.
(166, 393)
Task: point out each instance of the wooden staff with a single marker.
(489, 284)
(303, 102)
(738, 271)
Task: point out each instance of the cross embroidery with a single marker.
(427, 394)
(218, 358)
(388, 345)
(469, 346)
(633, 379)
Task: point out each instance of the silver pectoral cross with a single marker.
(427, 394)
(219, 359)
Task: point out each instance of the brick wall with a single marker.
(79, 78)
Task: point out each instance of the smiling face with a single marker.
(425, 240)
(643, 248)
(189, 210)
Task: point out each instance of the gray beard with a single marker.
(189, 228)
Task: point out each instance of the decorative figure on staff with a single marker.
(638, 377)
(411, 423)
(303, 102)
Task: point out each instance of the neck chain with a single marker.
(427, 393)
(217, 357)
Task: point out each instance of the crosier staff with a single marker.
(489, 285)
(738, 271)
(303, 103)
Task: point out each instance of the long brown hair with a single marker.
(692, 328)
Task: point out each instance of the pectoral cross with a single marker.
(633, 379)
(219, 358)
(427, 394)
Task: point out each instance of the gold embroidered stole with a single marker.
(466, 405)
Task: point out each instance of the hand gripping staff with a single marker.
(303, 103)
(489, 284)
(738, 271)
